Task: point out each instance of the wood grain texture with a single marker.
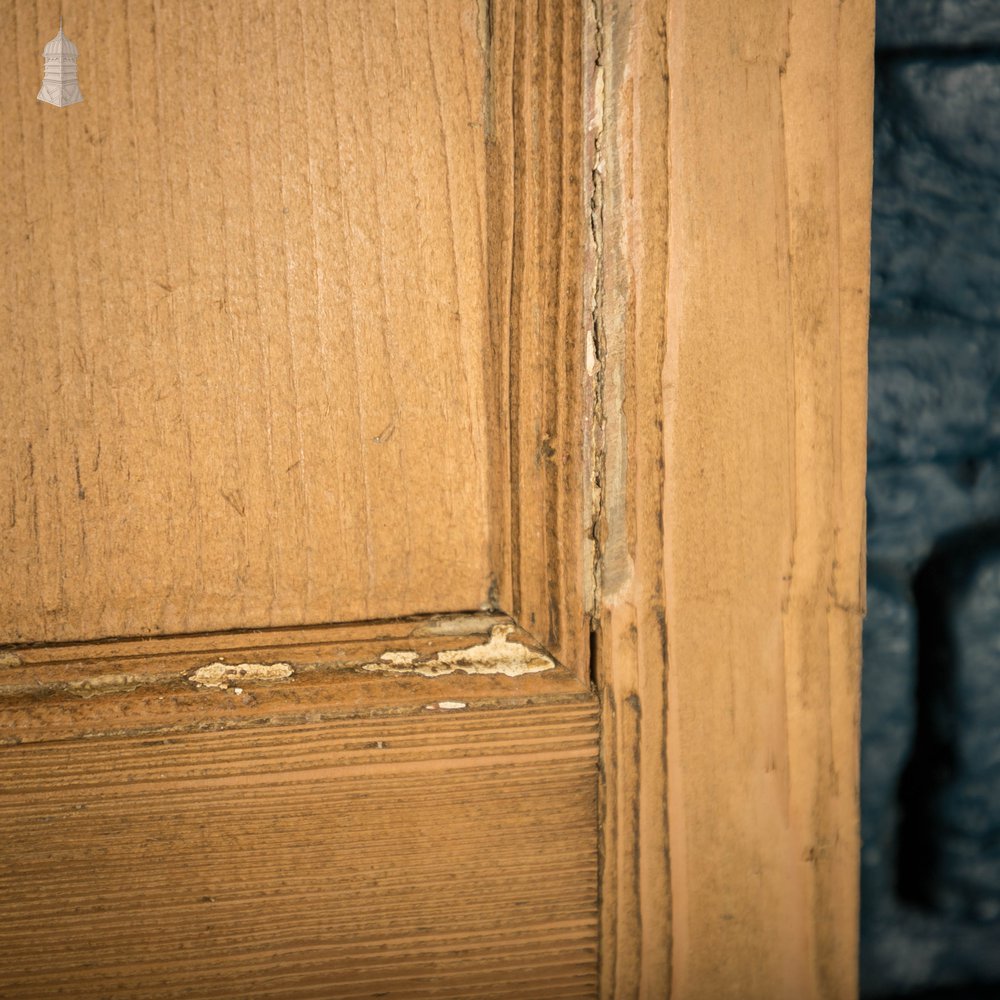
(537, 226)
(245, 317)
(158, 685)
(735, 142)
(332, 311)
(630, 188)
(451, 856)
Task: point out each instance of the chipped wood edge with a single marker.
(266, 678)
(498, 655)
(627, 131)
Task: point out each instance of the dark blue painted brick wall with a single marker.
(931, 688)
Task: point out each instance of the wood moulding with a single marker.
(537, 234)
(428, 664)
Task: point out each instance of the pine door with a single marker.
(432, 498)
(296, 670)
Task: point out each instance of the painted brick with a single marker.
(969, 879)
(934, 508)
(888, 721)
(936, 212)
(934, 389)
(911, 508)
(954, 23)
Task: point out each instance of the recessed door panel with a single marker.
(244, 324)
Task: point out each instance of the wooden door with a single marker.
(390, 391)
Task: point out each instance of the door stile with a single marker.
(735, 164)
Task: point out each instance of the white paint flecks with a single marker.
(457, 625)
(498, 656)
(221, 675)
(399, 656)
(103, 682)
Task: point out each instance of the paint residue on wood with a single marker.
(497, 656)
(221, 675)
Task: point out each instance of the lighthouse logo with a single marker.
(60, 87)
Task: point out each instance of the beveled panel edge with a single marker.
(433, 663)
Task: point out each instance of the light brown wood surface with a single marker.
(735, 153)
(627, 144)
(303, 360)
(537, 236)
(245, 376)
(168, 685)
(346, 339)
(450, 855)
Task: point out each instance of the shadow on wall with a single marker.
(931, 688)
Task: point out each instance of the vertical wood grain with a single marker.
(737, 190)
(632, 194)
(537, 232)
(245, 318)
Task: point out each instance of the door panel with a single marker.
(80, 691)
(389, 385)
(245, 378)
(294, 680)
(443, 855)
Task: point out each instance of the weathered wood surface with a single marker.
(166, 685)
(245, 318)
(627, 142)
(537, 232)
(399, 350)
(734, 148)
(448, 855)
